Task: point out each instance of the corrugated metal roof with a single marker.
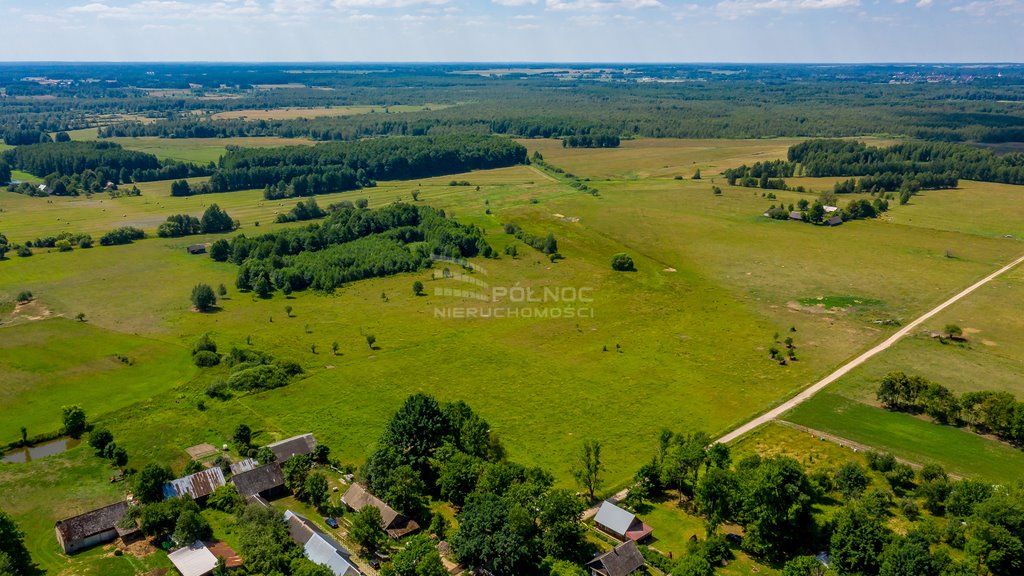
(195, 485)
(244, 465)
(614, 518)
(319, 547)
(194, 560)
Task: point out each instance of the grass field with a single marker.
(293, 113)
(687, 334)
(961, 452)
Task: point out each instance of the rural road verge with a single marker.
(846, 368)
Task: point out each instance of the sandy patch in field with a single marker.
(669, 269)
(989, 343)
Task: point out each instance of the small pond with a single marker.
(22, 455)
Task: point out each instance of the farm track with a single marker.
(818, 386)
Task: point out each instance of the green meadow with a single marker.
(682, 343)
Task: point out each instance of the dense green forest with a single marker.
(333, 167)
(73, 167)
(748, 101)
(352, 243)
(847, 158)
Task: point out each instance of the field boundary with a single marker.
(820, 385)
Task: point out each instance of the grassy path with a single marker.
(846, 368)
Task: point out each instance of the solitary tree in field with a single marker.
(417, 288)
(24, 435)
(415, 195)
(371, 340)
(80, 316)
(203, 298)
(622, 263)
(288, 310)
(334, 347)
(222, 290)
(954, 331)
(74, 420)
(696, 175)
(588, 467)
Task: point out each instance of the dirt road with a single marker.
(843, 370)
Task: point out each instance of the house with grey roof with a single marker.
(394, 523)
(620, 523)
(294, 446)
(265, 482)
(319, 547)
(623, 560)
(196, 486)
(91, 528)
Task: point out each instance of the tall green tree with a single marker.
(14, 556)
(203, 298)
(366, 529)
(588, 467)
(74, 421)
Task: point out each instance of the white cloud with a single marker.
(924, 3)
(736, 8)
(599, 5)
(985, 7)
(515, 2)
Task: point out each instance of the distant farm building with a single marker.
(91, 528)
(197, 249)
(796, 216)
(264, 482)
(830, 209)
(294, 446)
(196, 486)
(620, 523)
(834, 221)
(194, 560)
(394, 523)
(244, 466)
(623, 560)
(319, 547)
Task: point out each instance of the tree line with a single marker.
(70, 168)
(602, 140)
(986, 412)
(975, 529)
(935, 163)
(214, 220)
(351, 243)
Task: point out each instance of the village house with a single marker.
(294, 446)
(263, 482)
(622, 560)
(319, 547)
(621, 524)
(197, 249)
(196, 486)
(395, 524)
(91, 528)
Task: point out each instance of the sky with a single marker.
(514, 30)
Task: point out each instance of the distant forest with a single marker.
(942, 103)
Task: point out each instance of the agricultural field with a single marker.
(681, 343)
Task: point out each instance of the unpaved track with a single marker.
(843, 370)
